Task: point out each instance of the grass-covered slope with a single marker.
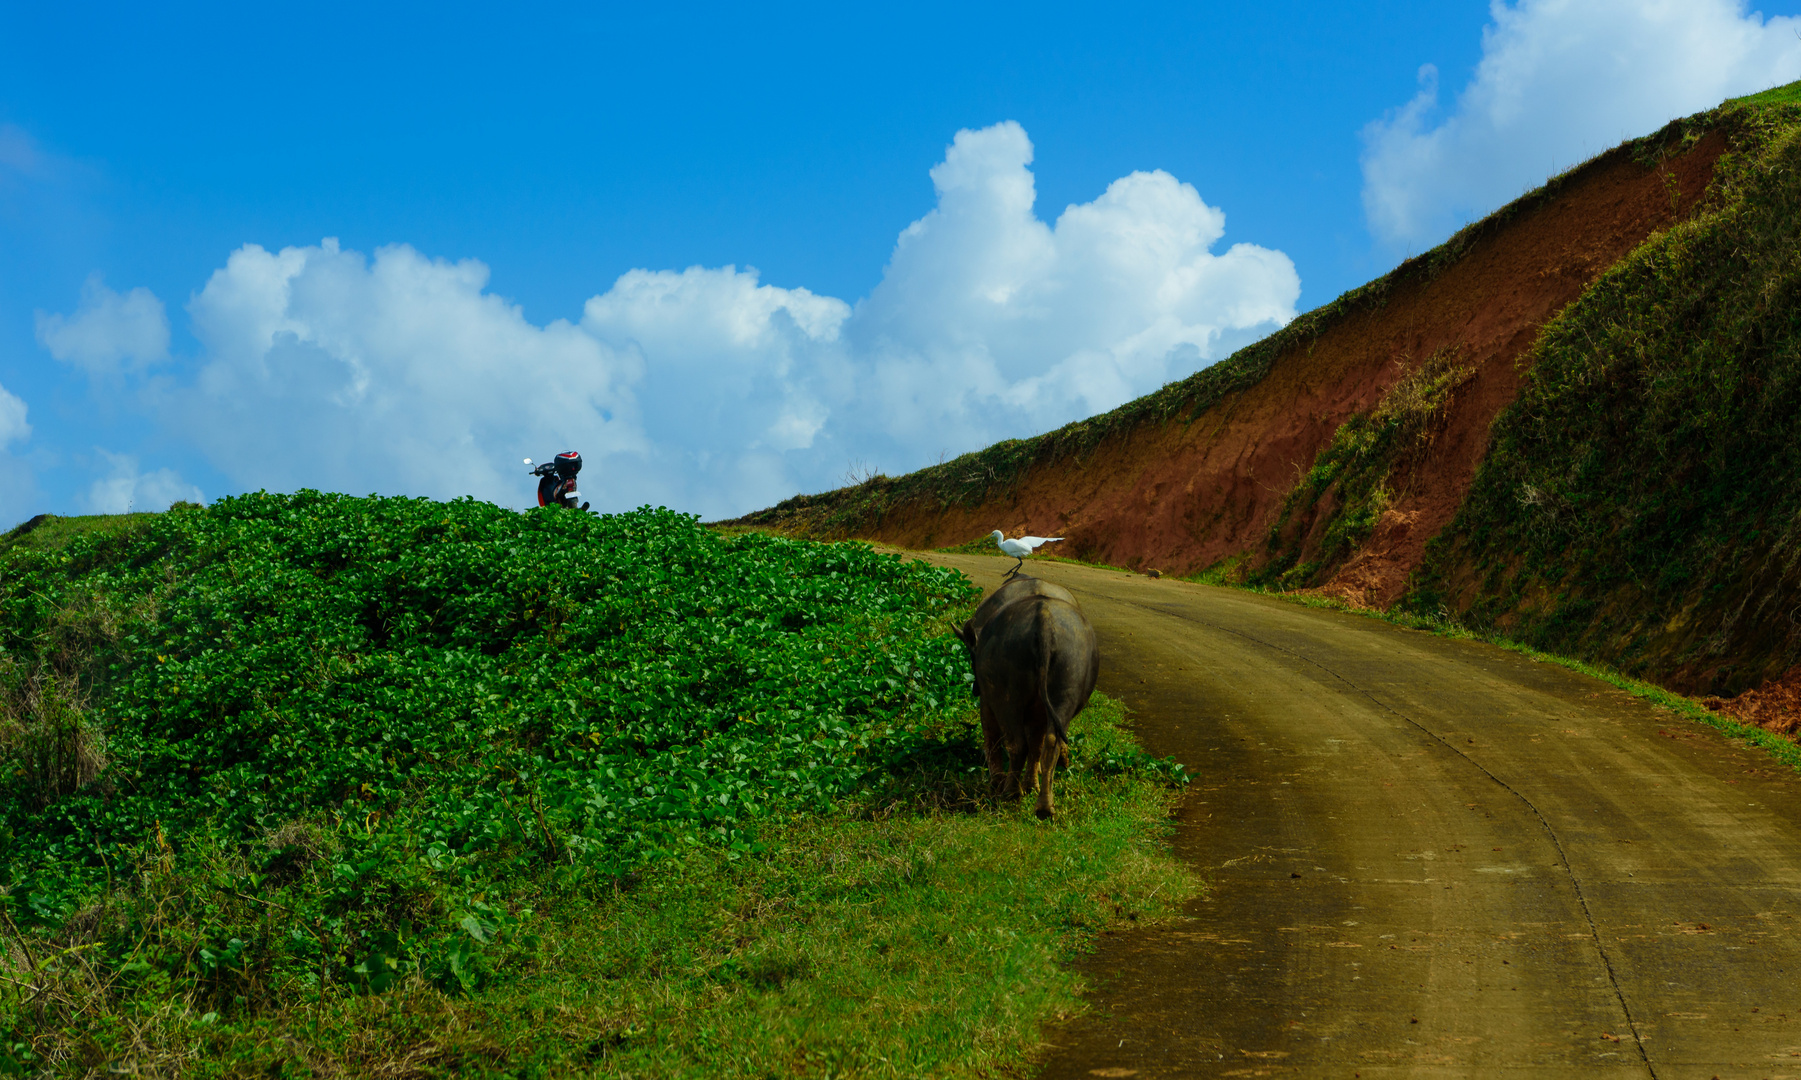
(1641, 503)
(306, 782)
(46, 532)
(987, 477)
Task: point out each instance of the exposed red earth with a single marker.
(1182, 496)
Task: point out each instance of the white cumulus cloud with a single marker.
(400, 374)
(990, 322)
(126, 489)
(707, 389)
(738, 378)
(108, 329)
(1560, 81)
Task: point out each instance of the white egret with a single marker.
(1020, 548)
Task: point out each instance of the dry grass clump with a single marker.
(1420, 397)
(48, 737)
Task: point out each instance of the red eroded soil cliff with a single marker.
(1181, 496)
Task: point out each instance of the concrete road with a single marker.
(1432, 858)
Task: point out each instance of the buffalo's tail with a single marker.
(1055, 722)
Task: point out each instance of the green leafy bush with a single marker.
(349, 739)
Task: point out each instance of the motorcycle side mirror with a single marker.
(528, 461)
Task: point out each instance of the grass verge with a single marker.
(302, 785)
(917, 932)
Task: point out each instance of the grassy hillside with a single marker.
(305, 784)
(988, 475)
(46, 532)
(1641, 502)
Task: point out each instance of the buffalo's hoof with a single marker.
(1043, 812)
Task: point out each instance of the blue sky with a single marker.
(486, 172)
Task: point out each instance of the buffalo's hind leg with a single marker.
(1027, 756)
(1048, 752)
(994, 749)
(1019, 769)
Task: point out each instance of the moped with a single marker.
(556, 480)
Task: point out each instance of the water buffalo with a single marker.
(1016, 588)
(1036, 661)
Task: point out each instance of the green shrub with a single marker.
(468, 702)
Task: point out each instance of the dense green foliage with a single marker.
(883, 942)
(269, 759)
(480, 692)
(1641, 503)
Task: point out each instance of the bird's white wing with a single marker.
(1032, 542)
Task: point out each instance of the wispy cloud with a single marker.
(108, 330)
(13, 427)
(123, 488)
(20, 154)
(17, 484)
